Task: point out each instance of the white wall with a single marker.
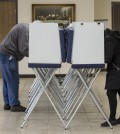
(84, 12)
(103, 10)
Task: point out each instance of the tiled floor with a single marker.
(44, 120)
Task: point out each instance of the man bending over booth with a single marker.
(13, 49)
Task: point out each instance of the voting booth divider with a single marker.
(82, 46)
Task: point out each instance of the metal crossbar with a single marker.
(67, 97)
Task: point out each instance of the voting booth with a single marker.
(86, 55)
(48, 45)
(45, 57)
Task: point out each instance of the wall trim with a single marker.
(33, 76)
(27, 76)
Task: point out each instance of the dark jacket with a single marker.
(16, 42)
(112, 58)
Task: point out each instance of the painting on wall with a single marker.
(63, 14)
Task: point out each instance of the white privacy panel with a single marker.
(44, 43)
(88, 43)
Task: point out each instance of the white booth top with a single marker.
(88, 43)
(44, 43)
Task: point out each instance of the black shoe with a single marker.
(17, 108)
(105, 124)
(6, 107)
(118, 120)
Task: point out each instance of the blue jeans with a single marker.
(10, 78)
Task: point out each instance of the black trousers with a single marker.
(112, 97)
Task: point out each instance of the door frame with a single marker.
(112, 11)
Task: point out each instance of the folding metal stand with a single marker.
(66, 98)
(44, 65)
(86, 54)
(78, 92)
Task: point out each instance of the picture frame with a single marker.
(63, 14)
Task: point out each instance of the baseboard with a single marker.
(27, 76)
(60, 75)
(103, 69)
(33, 76)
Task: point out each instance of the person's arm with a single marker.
(23, 41)
(109, 48)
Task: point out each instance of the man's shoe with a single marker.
(17, 108)
(105, 124)
(118, 120)
(6, 107)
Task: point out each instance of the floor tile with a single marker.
(44, 119)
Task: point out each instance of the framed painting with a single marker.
(63, 14)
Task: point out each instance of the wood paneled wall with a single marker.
(8, 17)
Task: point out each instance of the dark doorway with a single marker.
(8, 17)
(116, 15)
